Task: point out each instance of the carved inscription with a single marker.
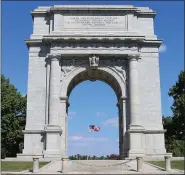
(94, 22)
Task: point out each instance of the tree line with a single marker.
(13, 120)
(175, 134)
(87, 157)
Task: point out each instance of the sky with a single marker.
(98, 106)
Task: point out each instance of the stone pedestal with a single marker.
(139, 164)
(35, 164)
(168, 157)
(65, 166)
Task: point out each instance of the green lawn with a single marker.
(18, 166)
(175, 164)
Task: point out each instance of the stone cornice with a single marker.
(103, 8)
(94, 38)
(126, 39)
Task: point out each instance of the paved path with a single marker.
(102, 167)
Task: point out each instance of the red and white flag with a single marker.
(94, 128)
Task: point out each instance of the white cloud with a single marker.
(87, 139)
(79, 144)
(111, 122)
(74, 138)
(162, 48)
(71, 114)
(101, 114)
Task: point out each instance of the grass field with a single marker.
(18, 166)
(175, 164)
(21, 166)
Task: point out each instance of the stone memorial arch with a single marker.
(114, 44)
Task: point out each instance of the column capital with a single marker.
(134, 57)
(123, 99)
(53, 57)
(63, 99)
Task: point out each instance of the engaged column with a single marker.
(136, 136)
(53, 129)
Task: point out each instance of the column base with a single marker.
(53, 133)
(52, 154)
(137, 141)
(133, 153)
(53, 129)
(26, 157)
(136, 128)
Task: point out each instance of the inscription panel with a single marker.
(88, 22)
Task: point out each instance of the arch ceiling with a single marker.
(93, 75)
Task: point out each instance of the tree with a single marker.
(177, 92)
(176, 147)
(13, 115)
(167, 123)
(174, 137)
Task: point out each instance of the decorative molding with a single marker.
(93, 61)
(52, 129)
(63, 98)
(146, 131)
(118, 65)
(31, 131)
(98, 45)
(97, 38)
(155, 131)
(53, 57)
(134, 57)
(66, 67)
(69, 65)
(123, 99)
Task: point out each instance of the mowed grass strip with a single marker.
(11, 166)
(175, 164)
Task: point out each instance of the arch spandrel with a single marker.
(108, 74)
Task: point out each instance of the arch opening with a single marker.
(95, 108)
(108, 76)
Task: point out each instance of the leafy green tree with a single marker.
(176, 147)
(167, 123)
(174, 137)
(13, 115)
(177, 92)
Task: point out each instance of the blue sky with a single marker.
(98, 106)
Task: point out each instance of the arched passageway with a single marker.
(115, 48)
(92, 103)
(111, 78)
